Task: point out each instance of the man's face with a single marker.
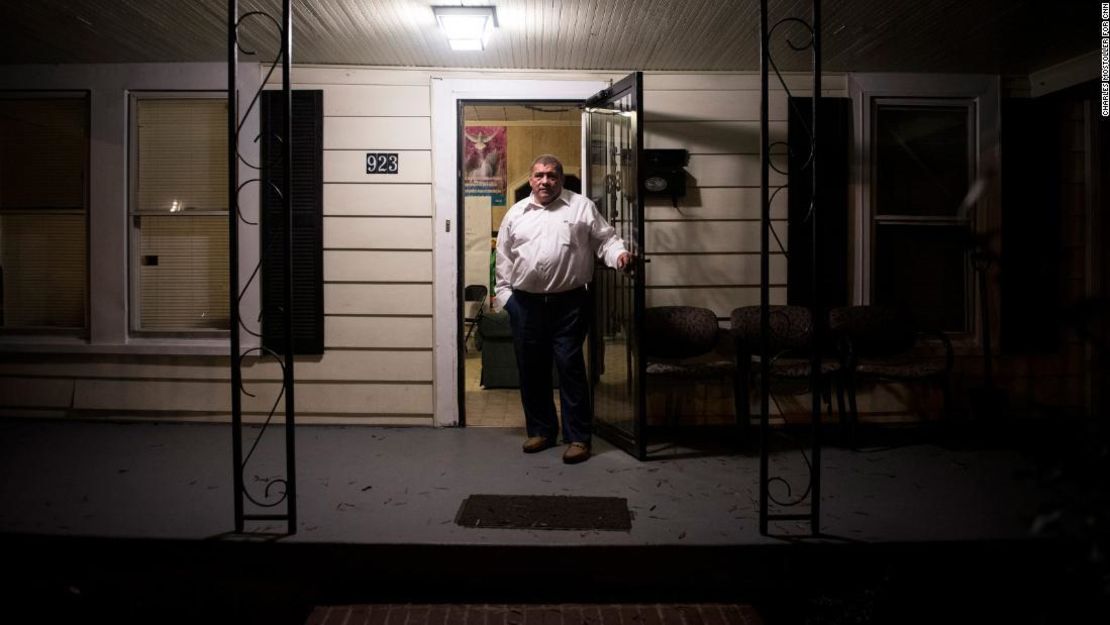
(546, 183)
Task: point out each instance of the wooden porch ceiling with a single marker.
(1009, 37)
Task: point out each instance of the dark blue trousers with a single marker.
(546, 328)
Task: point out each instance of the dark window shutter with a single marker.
(1033, 185)
(833, 134)
(308, 222)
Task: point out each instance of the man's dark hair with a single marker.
(548, 159)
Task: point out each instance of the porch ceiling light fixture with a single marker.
(467, 27)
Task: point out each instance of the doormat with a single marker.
(545, 512)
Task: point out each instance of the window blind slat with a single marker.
(182, 155)
(43, 255)
(43, 261)
(42, 153)
(183, 272)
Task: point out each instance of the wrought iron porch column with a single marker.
(817, 311)
(242, 492)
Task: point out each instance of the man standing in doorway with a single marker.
(545, 256)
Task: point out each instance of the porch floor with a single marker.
(376, 508)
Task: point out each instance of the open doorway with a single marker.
(497, 143)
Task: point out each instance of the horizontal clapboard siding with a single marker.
(669, 106)
(377, 299)
(715, 203)
(705, 251)
(378, 332)
(350, 166)
(729, 170)
(700, 137)
(308, 76)
(409, 200)
(343, 365)
(740, 81)
(378, 364)
(202, 396)
(19, 391)
(356, 365)
(678, 270)
(385, 233)
(378, 261)
(393, 266)
(397, 133)
(696, 237)
(377, 100)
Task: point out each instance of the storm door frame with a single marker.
(460, 229)
(446, 167)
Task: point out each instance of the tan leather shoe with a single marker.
(576, 452)
(537, 443)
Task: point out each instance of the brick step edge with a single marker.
(535, 614)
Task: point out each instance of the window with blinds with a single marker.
(179, 206)
(43, 181)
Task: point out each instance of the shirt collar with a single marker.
(533, 204)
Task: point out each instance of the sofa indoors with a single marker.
(495, 340)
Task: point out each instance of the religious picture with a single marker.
(484, 168)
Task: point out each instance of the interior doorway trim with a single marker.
(446, 93)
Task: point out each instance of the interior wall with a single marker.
(526, 142)
(525, 139)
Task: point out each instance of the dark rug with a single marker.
(545, 512)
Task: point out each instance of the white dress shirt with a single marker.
(551, 249)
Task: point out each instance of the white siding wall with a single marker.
(706, 251)
(377, 366)
(377, 246)
(378, 256)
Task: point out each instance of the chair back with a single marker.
(791, 328)
(679, 331)
(475, 296)
(475, 292)
(873, 330)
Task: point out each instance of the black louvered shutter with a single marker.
(308, 222)
(1034, 174)
(832, 223)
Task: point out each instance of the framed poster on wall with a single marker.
(484, 162)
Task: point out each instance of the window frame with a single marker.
(134, 297)
(981, 90)
(81, 332)
(109, 85)
(875, 219)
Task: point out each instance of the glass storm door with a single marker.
(612, 120)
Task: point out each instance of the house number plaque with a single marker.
(381, 163)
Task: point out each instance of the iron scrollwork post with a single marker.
(812, 492)
(280, 489)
